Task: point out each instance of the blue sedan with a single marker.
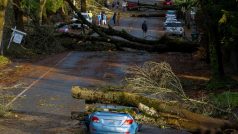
(112, 122)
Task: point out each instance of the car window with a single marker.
(173, 25)
(85, 16)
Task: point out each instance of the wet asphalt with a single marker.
(51, 94)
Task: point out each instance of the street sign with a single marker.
(16, 37)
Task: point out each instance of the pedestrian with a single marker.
(99, 18)
(144, 28)
(90, 15)
(102, 13)
(104, 19)
(118, 18)
(117, 4)
(124, 4)
(114, 18)
(82, 27)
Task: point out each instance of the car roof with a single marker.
(84, 13)
(170, 12)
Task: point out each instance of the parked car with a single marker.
(112, 119)
(169, 20)
(63, 29)
(77, 26)
(170, 12)
(85, 15)
(132, 6)
(112, 122)
(170, 16)
(174, 28)
(168, 2)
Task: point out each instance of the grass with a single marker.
(4, 61)
(226, 83)
(4, 111)
(228, 100)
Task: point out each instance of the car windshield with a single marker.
(170, 12)
(173, 25)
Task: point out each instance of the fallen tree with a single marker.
(166, 46)
(106, 33)
(148, 15)
(171, 113)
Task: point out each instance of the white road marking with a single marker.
(36, 81)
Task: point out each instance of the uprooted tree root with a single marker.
(171, 113)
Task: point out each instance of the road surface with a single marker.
(50, 92)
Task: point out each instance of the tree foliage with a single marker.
(54, 5)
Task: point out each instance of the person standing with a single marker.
(104, 19)
(124, 4)
(144, 28)
(118, 18)
(114, 18)
(90, 14)
(99, 18)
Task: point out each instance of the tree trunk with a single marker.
(18, 14)
(166, 47)
(172, 114)
(41, 10)
(83, 5)
(3, 5)
(63, 13)
(215, 54)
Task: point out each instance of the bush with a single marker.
(226, 83)
(3, 110)
(4, 61)
(17, 51)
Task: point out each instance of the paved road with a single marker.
(50, 92)
(133, 26)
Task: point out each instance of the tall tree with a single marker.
(83, 5)
(41, 10)
(3, 5)
(18, 14)
(215, 20)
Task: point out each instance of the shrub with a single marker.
(3, 110)
(4, 61)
